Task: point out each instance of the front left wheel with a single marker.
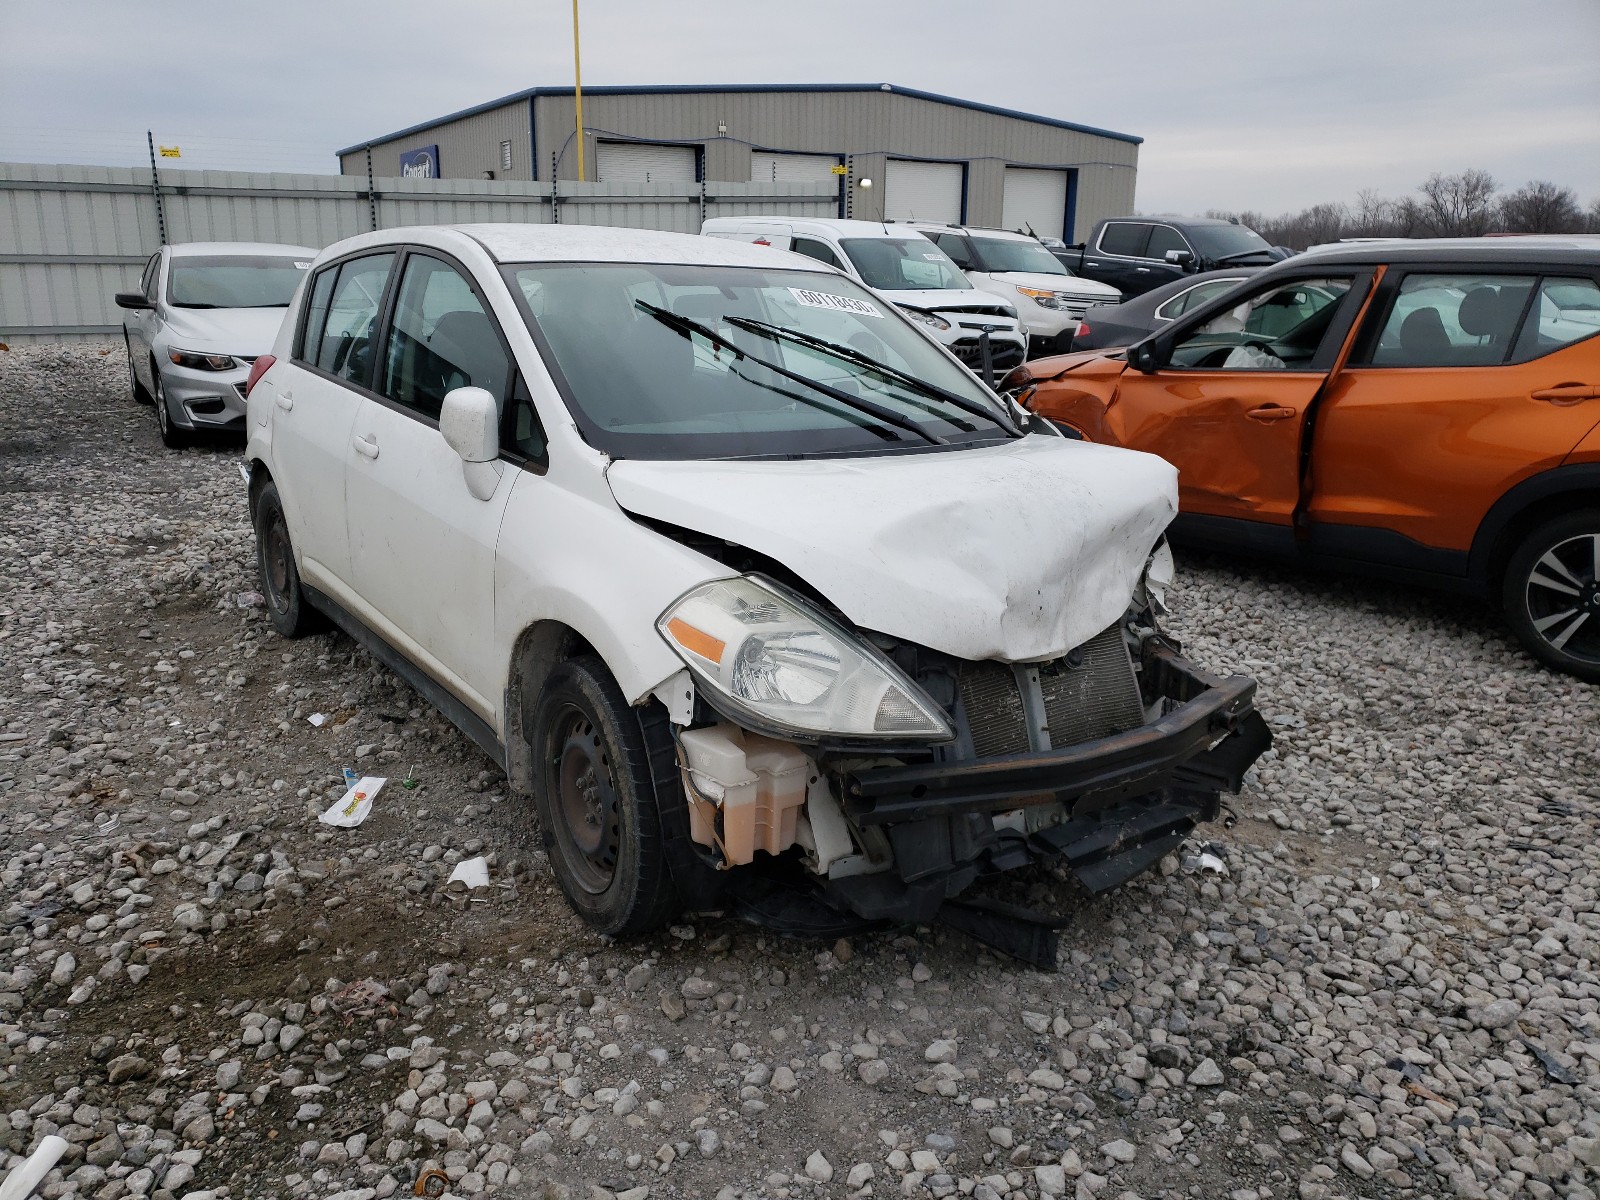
(172, 437)
(1551, 593)
(597, 802)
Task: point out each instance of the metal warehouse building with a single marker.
(896, 153)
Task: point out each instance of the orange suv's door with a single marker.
(1469, 382)
(1228, 396)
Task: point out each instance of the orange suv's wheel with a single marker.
(1551, 593)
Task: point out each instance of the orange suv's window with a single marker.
(1452, 320)
(1566, 311)
(1279, 329)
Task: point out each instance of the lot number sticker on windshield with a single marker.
(837, 303)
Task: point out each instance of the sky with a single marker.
(1261, 105)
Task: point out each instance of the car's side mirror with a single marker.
(1145, 357)
(1180, 258)
(135, 300)
(469, 421)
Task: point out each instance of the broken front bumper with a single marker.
(1125, 800)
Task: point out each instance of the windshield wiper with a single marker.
(181, 304)
(848, 354)
(888, 416)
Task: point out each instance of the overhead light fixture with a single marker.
(866, 183)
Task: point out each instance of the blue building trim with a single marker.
(531, 94)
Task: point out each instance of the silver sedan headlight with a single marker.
(778, 665)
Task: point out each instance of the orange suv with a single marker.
(1423, 410)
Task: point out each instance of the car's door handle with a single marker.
(367, 447)
(1271, 412)
(285, 401)
(1142, 270)
(1567, 393)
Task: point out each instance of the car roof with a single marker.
(513, 243)
(1576, 249)
(985, 230)
(212, 249)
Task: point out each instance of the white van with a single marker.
(906, 269)
(1020, 270)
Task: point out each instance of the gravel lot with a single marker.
(1393, 992)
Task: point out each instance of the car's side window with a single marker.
(820, 251)
(1464, 320)
(955, 246)
(1201, 293)
(1564, 311)
(147, 284)
(1164, 238)
(1126, 238)
(1279, 328)
(316, 313)
(342, 336)
(441, 338)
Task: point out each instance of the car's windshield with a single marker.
(903, 265)
(1003, 254)
(1223, 241)
(625, 343)
(234, 281)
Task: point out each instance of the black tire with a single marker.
(596, 802)
(1551, 593)
(172, 437)
(141, 394)
(280, 578)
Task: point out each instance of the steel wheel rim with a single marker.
(275, 562)
(585, 807)
(1562, 596)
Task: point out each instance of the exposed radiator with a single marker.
(1090, 693)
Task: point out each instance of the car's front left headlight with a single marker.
(197, 361)
(926, 318)
(1044, 298)
(776, 664)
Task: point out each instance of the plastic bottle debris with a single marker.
(471, 873)
(318, 719)
(351, 778)
(353, 807)
(249, 599)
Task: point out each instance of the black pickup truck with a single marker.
(1135, 254)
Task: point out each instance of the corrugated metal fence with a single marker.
(72, 237)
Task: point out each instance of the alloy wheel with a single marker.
(1562, 595)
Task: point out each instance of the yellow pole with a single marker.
(577, 91)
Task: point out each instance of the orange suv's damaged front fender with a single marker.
(1075, 390)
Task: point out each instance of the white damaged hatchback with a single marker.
(759, 598)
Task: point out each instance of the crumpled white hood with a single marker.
(1017, 552)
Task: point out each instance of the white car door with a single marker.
(422, 545)
(139, 324)
(314, 407)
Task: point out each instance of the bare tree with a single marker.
(1594, 216)
(1372, 216)
(1460, 205)
(1541, 207)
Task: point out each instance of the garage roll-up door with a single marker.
(641, 162)
(923, 191)
(1035, 198)
(766, 167)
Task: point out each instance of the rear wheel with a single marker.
(172, 437)
(596, 802)
(141, 394)
(1551, 593)
(280, 578)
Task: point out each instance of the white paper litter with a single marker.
(318, 719)
(352, 808)
(473, 872)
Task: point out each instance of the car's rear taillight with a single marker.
(257, 370)
(1083, 329)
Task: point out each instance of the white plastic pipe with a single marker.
(22, 1180)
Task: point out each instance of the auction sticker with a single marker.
(838, 303)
